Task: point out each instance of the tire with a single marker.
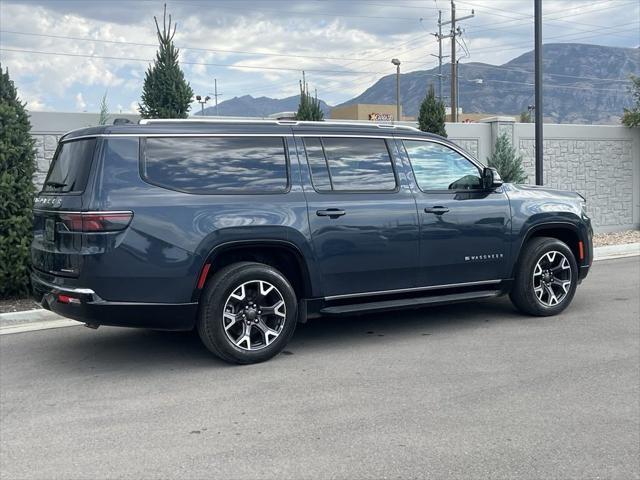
(229, 324)
(542, 275)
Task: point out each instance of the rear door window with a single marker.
(217, 165)
(70, 166)
(350, 164)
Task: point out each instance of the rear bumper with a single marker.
(87, 307)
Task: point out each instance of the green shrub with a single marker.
(508, 163)
(17, 165)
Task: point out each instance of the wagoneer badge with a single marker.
(488, 256)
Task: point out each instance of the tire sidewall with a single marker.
(215, 296)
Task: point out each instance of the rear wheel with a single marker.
(247, 313)
(547, 276)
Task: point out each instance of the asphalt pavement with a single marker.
(466, 391)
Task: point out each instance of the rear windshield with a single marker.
(70, 166)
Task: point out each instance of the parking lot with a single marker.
(469, 391)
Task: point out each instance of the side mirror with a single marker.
(491, 178)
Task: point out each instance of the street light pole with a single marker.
(396, 62)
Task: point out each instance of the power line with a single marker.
(130, 59)
(147, 60)
(200, 49)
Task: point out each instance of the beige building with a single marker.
(366, 111)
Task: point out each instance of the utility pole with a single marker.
(538, 89)
(216, 94)
(454, 64)
(439, 37)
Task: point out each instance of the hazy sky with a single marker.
(64, 54)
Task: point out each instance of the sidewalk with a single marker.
(30, 320)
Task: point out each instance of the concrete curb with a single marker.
(616, 251)
(41, 319)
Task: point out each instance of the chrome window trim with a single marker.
(413, 289)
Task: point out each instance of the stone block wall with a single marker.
(45, 148)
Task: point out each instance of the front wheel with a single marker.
(547, 277)
(247, 313)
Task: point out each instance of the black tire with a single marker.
(211, 322)
(523, 294)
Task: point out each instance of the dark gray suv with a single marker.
(243, 229)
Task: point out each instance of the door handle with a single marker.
(330, 212)
(437, 210)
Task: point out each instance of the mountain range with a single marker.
(582, 84)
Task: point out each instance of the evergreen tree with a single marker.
(525, 117)
(507, 161)
(309, 107)
(17, 166)
(165, 94)
(631, 117)
(432, 114)
(103, 119)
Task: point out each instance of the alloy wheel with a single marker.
(254, 315)
(552, 278)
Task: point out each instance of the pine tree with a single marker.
(525, 117)
(17, 166)
(309, 107)
(103, 119)
(631, 117)
(507, 161)
(166, 93)
(432, 114)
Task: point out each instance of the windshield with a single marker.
(70, 166)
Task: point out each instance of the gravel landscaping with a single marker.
(17, 305)
(616, 238)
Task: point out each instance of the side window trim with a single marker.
(415, 178)
(142, 160)
(326, 159)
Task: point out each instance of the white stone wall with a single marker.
(45, 148)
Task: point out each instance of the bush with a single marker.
(631, 117)
(507, 161)
(17, 166)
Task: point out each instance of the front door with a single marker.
(362, 215)
(464, 229)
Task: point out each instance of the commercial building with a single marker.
(367, 111)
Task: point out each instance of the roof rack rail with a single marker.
(146, 121)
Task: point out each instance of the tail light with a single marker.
(96, 221)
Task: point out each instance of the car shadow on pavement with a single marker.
(134, 349)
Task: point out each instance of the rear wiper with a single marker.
(56, 184)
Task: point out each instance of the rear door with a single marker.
(55, 247)
(362, 215)
(464, 229)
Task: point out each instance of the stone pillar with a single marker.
(500, 125)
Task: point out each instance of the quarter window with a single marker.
(217, 164)
(350, 164)
(438, 167)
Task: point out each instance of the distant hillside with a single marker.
(572, 91)
(509, 88)
(248, 106)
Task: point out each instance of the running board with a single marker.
(408, 302)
